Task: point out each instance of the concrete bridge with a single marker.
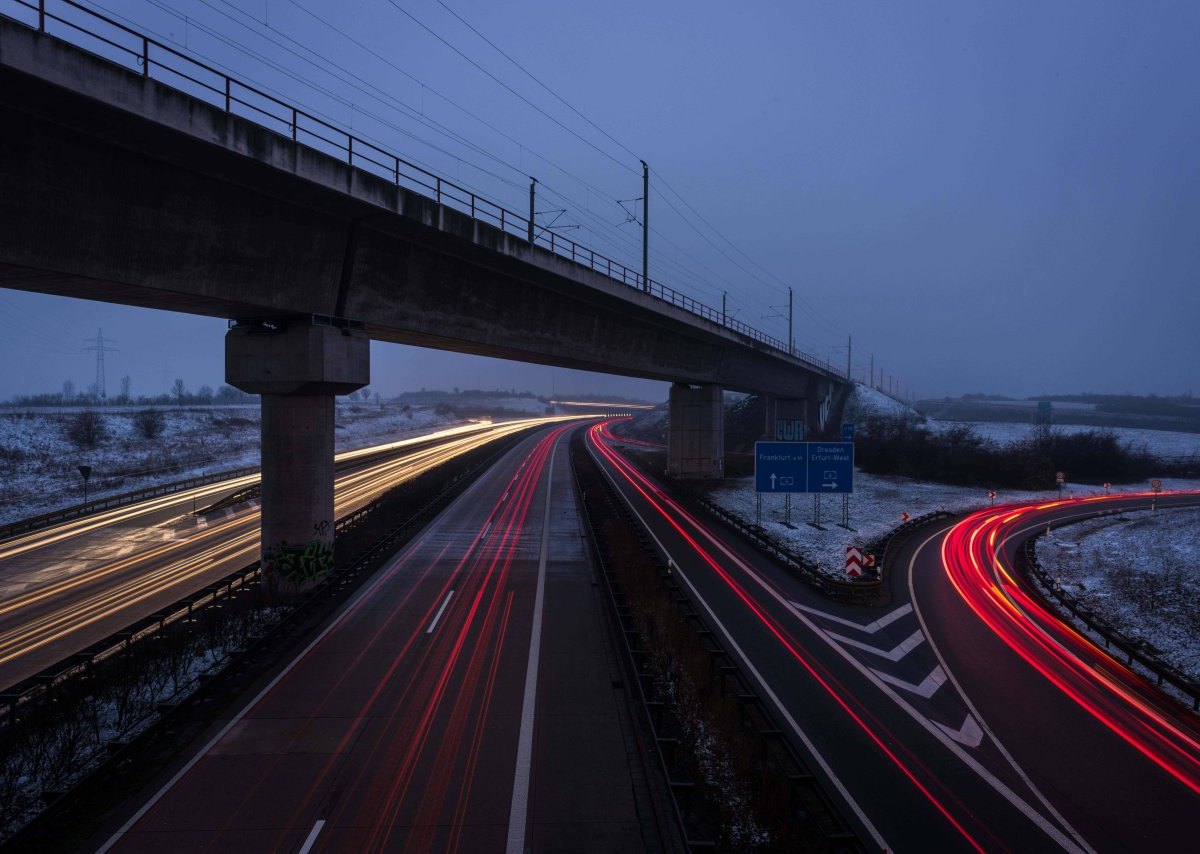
(222, 201)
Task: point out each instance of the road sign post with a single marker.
(85, 472)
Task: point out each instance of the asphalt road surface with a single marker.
(465, 700)
(932, 732)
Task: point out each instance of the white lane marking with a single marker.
(201, 522)
(1037, 793)
(520, 796)
(438, 615)
(926, 689)
(983, 773)
(968, 735)
(895, 654)
(312, 836)
(504, 497)
(381, 578)
(870, 628)
(486, 528)
(858, 811)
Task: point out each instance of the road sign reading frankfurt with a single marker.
(804, 467)
(780, 466)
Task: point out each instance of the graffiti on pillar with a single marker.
(300, 565)
(321, 529)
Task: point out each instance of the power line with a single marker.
(532, 77)
(508, 88)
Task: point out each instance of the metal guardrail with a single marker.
(756, 717)
(798, 565)
(36, 523)
(1132, 650)
(231, 584)
(881, 545)
(130, 48)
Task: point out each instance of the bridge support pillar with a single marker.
(297, 368)
(696, 432)
(786, 419)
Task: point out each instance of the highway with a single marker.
(1119, 760)
(64, 587)
(936, 727)
(460, 701)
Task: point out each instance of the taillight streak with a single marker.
(1098, 683)
(645, 487)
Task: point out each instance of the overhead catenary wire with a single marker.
(508, 88)
(406, 109)
(597, 226)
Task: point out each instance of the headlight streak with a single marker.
(657, 499)
(169, 570)
(375, 793)
(1104, 687)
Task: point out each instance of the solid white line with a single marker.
(983, 773)
(312, 836)
(1037, 793)
(858, 811)
(381, 578)
(520, 796)
(438, 615)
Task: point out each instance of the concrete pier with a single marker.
(696, 432)
(297, 368)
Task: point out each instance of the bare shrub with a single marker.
(87, 429)
(149, 422)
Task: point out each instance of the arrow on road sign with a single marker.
(772, 481)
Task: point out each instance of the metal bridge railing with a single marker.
(111, 40)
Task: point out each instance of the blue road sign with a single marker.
(804, 467)
(830, 467)
(780, 466)
(848, 431)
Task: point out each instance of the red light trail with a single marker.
(1137, 711)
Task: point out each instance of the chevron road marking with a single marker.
(895, 654)
(969, 735)
(926, 689)
(870, 628)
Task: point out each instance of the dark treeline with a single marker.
(179, 395)
(903, 446)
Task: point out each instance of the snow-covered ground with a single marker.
(1140, 575)
(38, 462)
(1164, 444)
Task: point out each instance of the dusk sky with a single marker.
(999, 197)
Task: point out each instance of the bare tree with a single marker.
(179, 391)
(149, 422)
(87, 429)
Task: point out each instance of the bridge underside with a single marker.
(116, 188)
(130, 192)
